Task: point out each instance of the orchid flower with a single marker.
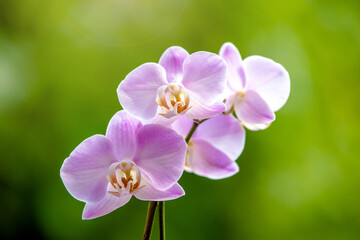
(181, 84)
(214, 146)
(257, 87)
(131, 159)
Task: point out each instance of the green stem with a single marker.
(193, 128)
(161, 220)
(149, 220)
(153, 205)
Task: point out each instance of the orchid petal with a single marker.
(229, 102)
(201, 111)
(205, 76)
(255, 127)
(205, 160)
(108, 204)
(84, 171)
(137, 92)
(253, 109)
(236, 76)
(121, 131)
(149, 193)
(182, 125)
(160, 154)
(223, 132)
(269, 79)
(161, 120)
(172, 60)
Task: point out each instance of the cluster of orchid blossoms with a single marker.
(187, 112)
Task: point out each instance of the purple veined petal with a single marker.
(137, 92)
(202, 111)
(149, 193)
(161, 120)
(84, 171)
(223, 132)
(108, 204)
(269, 79)
(172, 60)
(236, 74)
(207, 161)
(121, 131)
(205, 76)
(182, 125)
(160, 154)
(251, 108)
(255, 127)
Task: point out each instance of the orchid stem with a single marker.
(161, 220)
(149, 219)
(193, 128)
(153, 204)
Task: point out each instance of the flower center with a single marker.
(173, 99)
(241, 94)
(124, 175)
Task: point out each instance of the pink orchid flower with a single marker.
(257, 87)
(144, 161)
(181, 84)
(214, 146)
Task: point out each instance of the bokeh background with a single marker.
(62, 60)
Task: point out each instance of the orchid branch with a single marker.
(149, 219)
(161, 220)
(193, 128)
(161, 203)
(153, 205)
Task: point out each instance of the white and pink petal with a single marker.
(236, 74)
(200, 111)
(255, 127)
(223, 132)
(172, 60)
(205, 160)
(182, 125)
(205, 77)
(251, 108)
(269, 79)
(122, 131)
(160, 154)
(108, 204)
(137, 92)
(84, 171)
(149, 193)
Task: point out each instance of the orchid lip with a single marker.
(124, 176)
(173, 99)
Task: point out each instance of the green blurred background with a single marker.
(62, 60)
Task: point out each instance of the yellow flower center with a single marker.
(173, 99)
(124, 176)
